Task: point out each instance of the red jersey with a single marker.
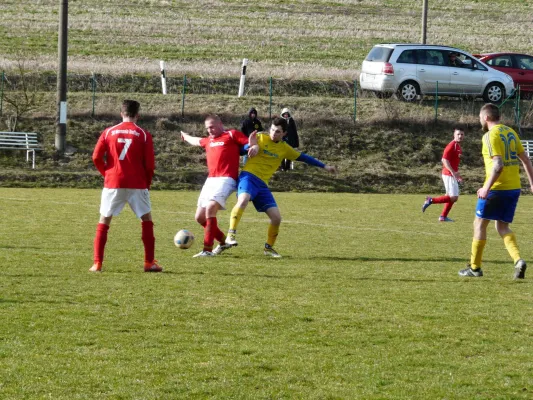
(124, 155)
(223, 153)
(452, 153)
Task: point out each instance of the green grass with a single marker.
(365, 304)
(312, 39)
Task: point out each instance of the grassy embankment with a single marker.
(312, 49)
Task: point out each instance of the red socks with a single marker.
(212, 232)
(447, 208)
(148, 240)
(440, 200)
(100, 240)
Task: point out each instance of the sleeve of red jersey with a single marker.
(447, 151)
(98, 155)
(239, 137)
(149, 160)
(204, 141)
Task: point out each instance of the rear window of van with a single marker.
(379, 53)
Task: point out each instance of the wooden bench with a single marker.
(21, 141)
(528, 147)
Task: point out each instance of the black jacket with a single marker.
(249, 124)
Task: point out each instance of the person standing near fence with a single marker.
(250, 124)
(124, 155)
(291, 137)
(450, 176)
(497, 199)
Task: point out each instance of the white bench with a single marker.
(528, 147)
(21, 141)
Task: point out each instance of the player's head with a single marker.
(458, 135)
(278, 129)
(213, 125)
(489, 114)
(130, 109)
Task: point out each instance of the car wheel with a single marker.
(408, 91)
(383, 95)
(494, 93)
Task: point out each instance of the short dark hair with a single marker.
(278, 121)
(130, 108)
(491, 111)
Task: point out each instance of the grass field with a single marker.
(365, 304)
(294, 39)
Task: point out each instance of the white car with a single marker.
(411, 70)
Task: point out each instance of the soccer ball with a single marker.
(184, 239)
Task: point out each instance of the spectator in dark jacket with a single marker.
(291, 137)
(251, 123)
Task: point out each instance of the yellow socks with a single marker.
(272, 234)
(235, 218)
(510, 244)
(477, 253)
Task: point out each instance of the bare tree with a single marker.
(23, 98)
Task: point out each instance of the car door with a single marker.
(523, 72)
(431, 69)
(467, 77)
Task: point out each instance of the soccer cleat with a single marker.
(231, 239)
(445, 219)
(472, 273)
(97, 267)
(427, 203)
(269, 251)
(204, 253)
(222, 247)
(520, 269)
(152, 267)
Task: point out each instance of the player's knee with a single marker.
(454, 199)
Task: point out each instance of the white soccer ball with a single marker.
(184, 239)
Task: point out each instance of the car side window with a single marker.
(525, 62)
(407, 57)
(430, 57)
(501, 61)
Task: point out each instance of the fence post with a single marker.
(437, 101)
(93, 83)
(183, 96)
(270, 103)
(355, 100)
(2, 93)
(517, 108)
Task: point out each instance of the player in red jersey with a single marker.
(450, 176)
(222, 148)
(124, 155)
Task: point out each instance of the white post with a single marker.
(163, 77)
(243, 76)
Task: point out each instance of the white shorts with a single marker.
(451, 185)
(217, 189)
(114, 200)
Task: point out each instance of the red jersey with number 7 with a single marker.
(124, 155)
(452, 153)
(223, 153)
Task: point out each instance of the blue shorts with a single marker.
(258, 190)
(500, 205)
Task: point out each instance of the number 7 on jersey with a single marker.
(126, 147)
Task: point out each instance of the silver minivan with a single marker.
(412, 70)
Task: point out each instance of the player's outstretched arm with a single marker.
(526, 162)
(313, 161)
(192, 140)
